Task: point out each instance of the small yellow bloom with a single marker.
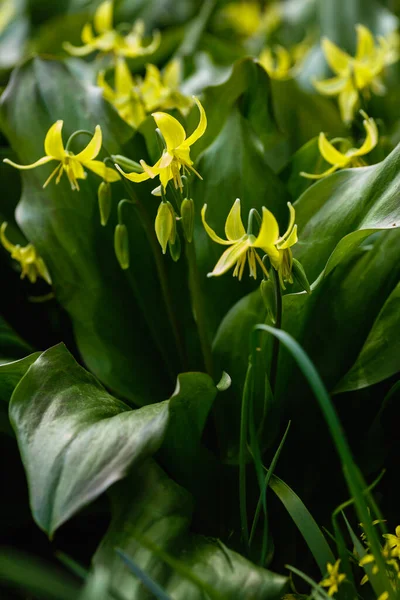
(109, 39)
(281, 63)
(353, 75)
(125, 97)
(177, 152)
(334, 578)
(350, 158)
(32, 265)
(71, 163)
(393, 542)
(243, 245)
(248, 18)
(134, 98)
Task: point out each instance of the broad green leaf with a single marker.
(380, 355)
(111, 310)
(337, 213)
(74, 438)
(184, 565)
(12, 372)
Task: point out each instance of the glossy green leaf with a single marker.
(337, 213)
(74, 438)
(184, 565)
(380, 355)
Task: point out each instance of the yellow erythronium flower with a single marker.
(110, 40)
(281, 63)
(125, 97)
(360, 73)
(32, 265)
(243, 245)
(389, 557)
(248, 18)
(393, 542)
(134, 98)
(176, 153)
(72, 164)
(334, 578)
(350, 158)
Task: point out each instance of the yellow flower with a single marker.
(32, 265)
(243, 245)
(176, 154)
(248, 18)
(334, 578)
(350, 158)
(355, 74)
(109, 39)
(71, 163)
(134, 98)
(160, 90)
(393, 542)
(281, 63)
(125, 97)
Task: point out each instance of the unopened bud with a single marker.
(127, 164)
(165, 225)
(187, 216)
(104, 198)
(300, 276)
(121, 245)
(267, 289)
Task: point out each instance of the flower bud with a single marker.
(175, 248)
(187, 216)
(268, 294)
(165, 225)
(121, 245)
(104, 198)
(300, 276)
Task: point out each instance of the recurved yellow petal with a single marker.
(234, 228)
(93, 147)
(348, 100)
(330, 153)
(201, 127)
(136, 177)
(269, 234)
(38, 163)
(320, 175)
(53, 144)
(98, 167)
(87, 36)
(338, 60)
(211, 232)
(123, 78)
(365, 42)
(172, 131)
(172, 74)
(330, 87)
(103, 17)
(371, 139)
(230, 257)
(291, 240)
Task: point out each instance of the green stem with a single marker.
(278, 325)
(243, 455)
(199, 306)
(75, 134)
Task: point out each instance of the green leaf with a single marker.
(380, 355)
(337, 213)
(184, 565)
(12, 372)
(75, 439)
(305, 523)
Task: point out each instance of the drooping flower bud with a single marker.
(187, 216)
(165, 225)
(121, 245)
(105, 201)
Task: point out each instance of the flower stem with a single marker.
(199, 306)
(278, 325)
